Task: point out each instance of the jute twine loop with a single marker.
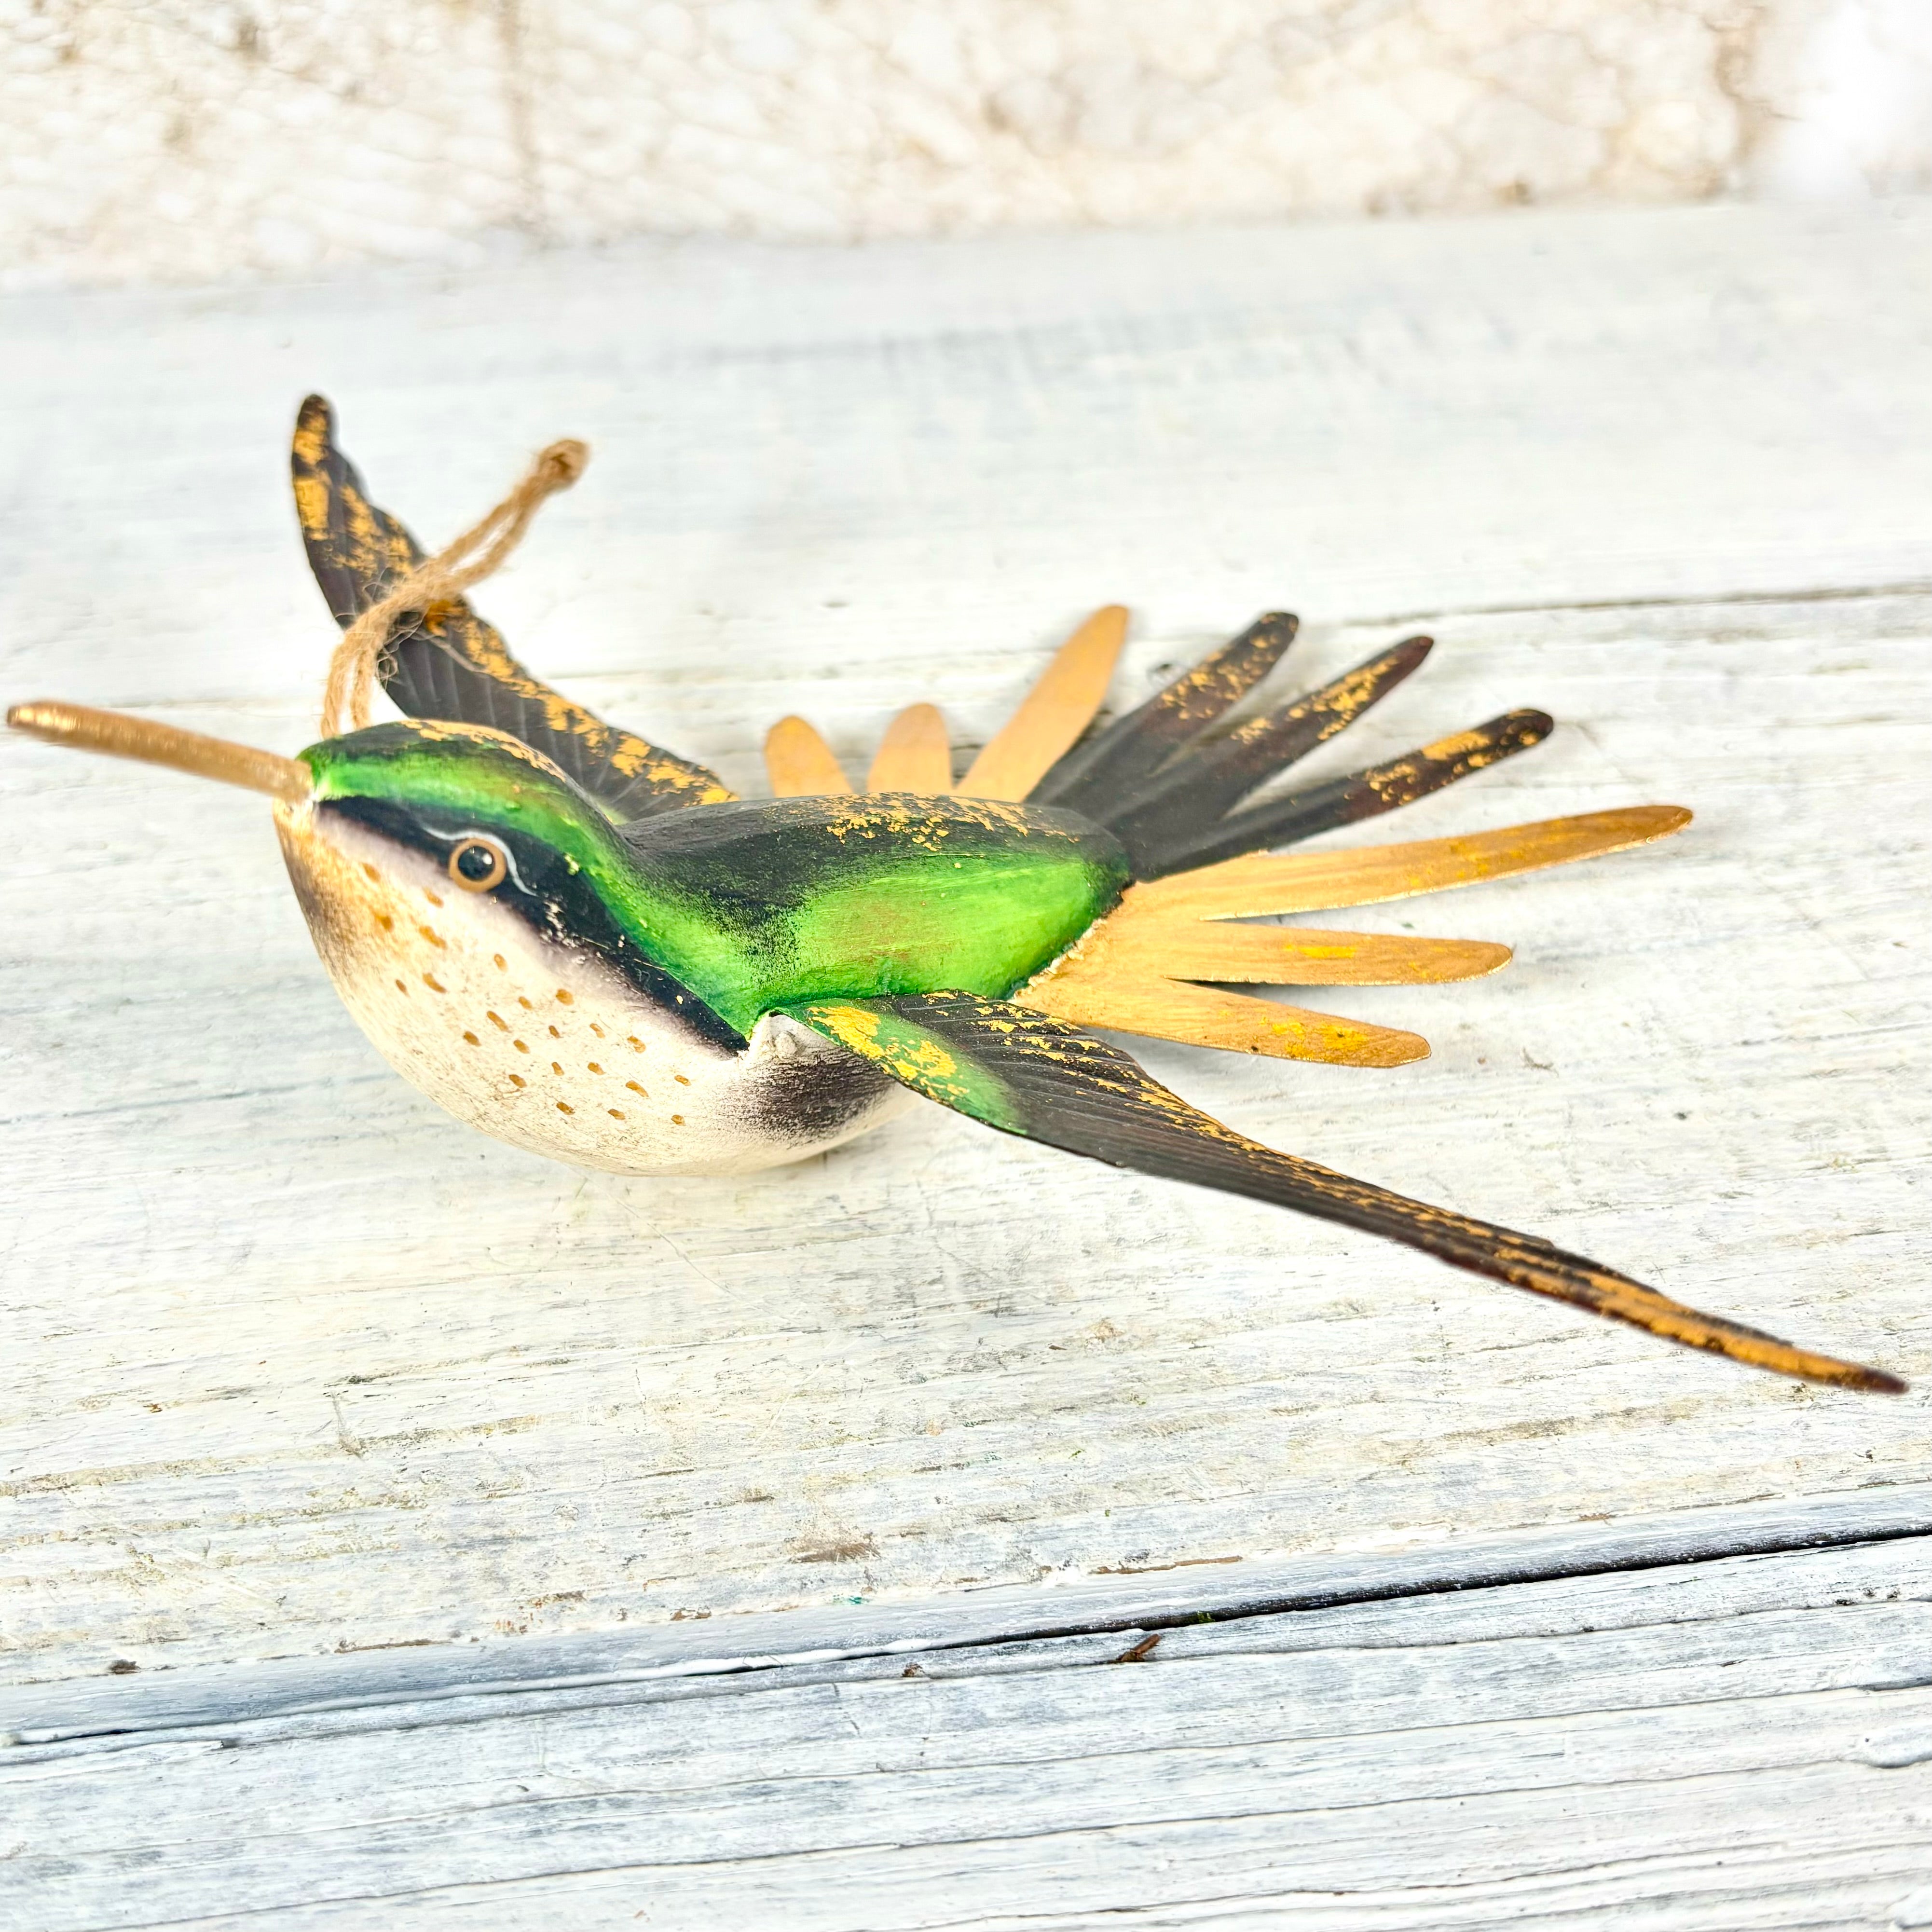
(358, 659)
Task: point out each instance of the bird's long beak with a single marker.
(121, 736)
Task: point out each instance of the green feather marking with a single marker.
(758, 906)
(909, 1050)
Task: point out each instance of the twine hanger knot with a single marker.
(357, 660)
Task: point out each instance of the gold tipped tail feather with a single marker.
(1054, 713)
(916, 756)
(1264, 882)
(1133, 970)
(1204, 1016)
(800, 763)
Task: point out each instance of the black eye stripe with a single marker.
(557, 905)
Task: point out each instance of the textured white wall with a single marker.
(180, 139)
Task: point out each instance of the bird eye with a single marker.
(479, 865)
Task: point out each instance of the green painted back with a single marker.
(757, 905)
(800, 898)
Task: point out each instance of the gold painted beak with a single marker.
(121, 737)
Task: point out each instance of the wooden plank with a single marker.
(1746, 1741)
(296, 1363)
(375, 1338)
(1633, 1560)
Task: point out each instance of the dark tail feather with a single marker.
(1362, 794)
(1095, 777)
(1166, 782)
(1192, 792)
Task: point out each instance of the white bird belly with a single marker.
(547, 1046)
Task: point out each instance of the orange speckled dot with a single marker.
(473, 1039)
(565, 998)
(525, 1004)
(614, 1114)
(430, 933)
(597, 1029)
(677, 1119)
(502, 965)
(593, 1066)
(635, 1088)
(431, 897)
(519, 1046)
(383, 919)
(400, 987)
(556, 1066)
(434, 984)
(370, 870)
(497, 1021)
(518, 1080)
(554, 1034)
(564, 1107)
(635, 1041)
(680, 1079)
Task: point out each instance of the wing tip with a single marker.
(1862, 1375)
(1806, 1365)
(315, 421)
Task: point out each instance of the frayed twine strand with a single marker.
(359, 659)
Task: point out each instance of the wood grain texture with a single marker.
(297, 1364)
(1739, 1742)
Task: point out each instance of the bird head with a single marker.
(426, 854)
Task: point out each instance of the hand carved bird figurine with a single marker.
(585, 945)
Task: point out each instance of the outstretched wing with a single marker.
(1033, 1076)
(446, 662)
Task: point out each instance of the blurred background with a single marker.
(185, 140)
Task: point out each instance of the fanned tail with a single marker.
(1139, 969)
(1169, 780)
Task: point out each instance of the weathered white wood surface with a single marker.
(297, 1368)
(1739, 1742)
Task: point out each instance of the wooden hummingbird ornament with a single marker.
(584, 944)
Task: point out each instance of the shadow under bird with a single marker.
(579, 942)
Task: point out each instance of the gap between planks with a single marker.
(1101, 1613)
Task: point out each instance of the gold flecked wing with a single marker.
(447, 663)
(1029, 1074)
